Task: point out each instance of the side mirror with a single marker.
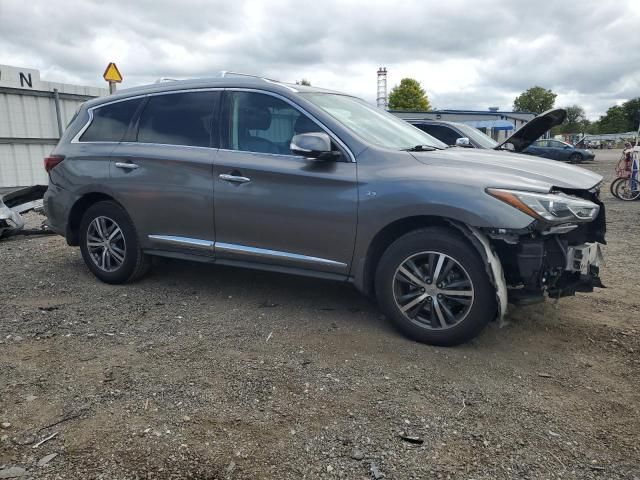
(509, 146)
(463, 142)
(314, 145)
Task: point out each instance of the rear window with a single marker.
(178, 119)
(110, 122)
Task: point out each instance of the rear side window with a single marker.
(178, 119)
(111, 121)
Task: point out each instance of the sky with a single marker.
(471, 54)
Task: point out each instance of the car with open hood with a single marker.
(251, 172)
(524, 140)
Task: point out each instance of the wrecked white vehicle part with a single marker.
(16, 202)
(492, 264)
(9, 220)
(497, 272)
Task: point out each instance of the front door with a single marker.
(274, 207)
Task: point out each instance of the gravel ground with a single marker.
(211, 373)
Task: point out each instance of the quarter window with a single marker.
(111, 121)
(178, 119)
(264, 124)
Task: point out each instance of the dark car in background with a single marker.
(524, 140)
(451, 132)
(558, 150)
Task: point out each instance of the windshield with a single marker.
(371, 123)
(485, 141)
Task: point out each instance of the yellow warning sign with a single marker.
(112, 74)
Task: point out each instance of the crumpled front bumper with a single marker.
(10, 221)
(16, 202)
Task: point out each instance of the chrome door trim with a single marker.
(183, 241)
(266, 254)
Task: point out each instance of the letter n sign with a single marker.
(26, 79)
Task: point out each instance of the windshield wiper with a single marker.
(422, 148)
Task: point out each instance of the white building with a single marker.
(33, 115)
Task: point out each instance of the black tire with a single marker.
(134, 264)
(623, 190)
(575, 158)
(452, 246)
(612, 187)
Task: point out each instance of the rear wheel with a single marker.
(433, 285)
(109, 244)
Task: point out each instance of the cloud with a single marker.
(467, 54)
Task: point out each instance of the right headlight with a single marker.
(551, 207)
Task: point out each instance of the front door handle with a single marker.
(127, 165)
(234, 178)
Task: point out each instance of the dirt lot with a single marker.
(209, 372)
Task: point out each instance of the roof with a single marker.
(223, 81)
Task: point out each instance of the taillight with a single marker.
(52, 161)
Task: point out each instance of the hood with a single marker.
(510, 170)
(534, 129)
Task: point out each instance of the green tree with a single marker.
(632, 112)
(614, 121)
(304, 81)
(575, 114)
(409, 95)
(535, 100)
(576, 121)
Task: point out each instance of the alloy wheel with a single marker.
(106, 244)
(433, 290)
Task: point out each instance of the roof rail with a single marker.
(226, 73)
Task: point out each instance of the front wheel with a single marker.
(434, 287)
(626, 189)
(575, 158)
(109, 244)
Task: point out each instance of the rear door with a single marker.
(162, 172)
(274, 207)
(537, 148)
(560, 150)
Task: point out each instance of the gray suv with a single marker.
(251, 172)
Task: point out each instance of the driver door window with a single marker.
(264, 124)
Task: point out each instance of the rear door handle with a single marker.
(127, 166)
(234, 178)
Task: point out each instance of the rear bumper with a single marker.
(57, 204)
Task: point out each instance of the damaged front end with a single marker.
(559, 253)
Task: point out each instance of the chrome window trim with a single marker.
(301, 110)
(76, 138)
(247, 152)
(271, 254)
(161, 145)
(183, 241)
